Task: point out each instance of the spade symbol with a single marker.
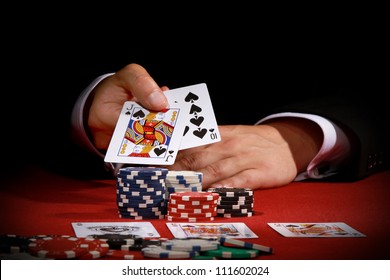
(127, 113)
(159, 151)
(195, 108)
(200, 132)
(191, 97)
(197, 121)
(139, 114)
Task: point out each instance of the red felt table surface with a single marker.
(39, 202)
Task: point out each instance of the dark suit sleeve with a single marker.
(363, 118)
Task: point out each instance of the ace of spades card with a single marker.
(147, 137)
(201, 127)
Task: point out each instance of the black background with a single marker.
(249, 66)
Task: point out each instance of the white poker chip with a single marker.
(190, 245)
(154, 251)
(244, 244)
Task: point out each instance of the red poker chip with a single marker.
(57, 247)
(182, 214)
(198, 196)
(96, 248)
(119, 255)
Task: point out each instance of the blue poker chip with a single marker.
(184, 175)
(142, 177)
(141, 214)
(147, 171)
(141, 199)
(136, 193)
(173, 189)
(189, 185)
(141, 211)
(139, 204)
(125, 179)
(140, 187)
(159, 217)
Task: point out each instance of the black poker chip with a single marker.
(115, 241)
(11, 243)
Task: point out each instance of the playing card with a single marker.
(191, 230)
(143, 229)
(201, 127)
(147, 137)
(315, 230)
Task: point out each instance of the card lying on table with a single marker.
(143, 229)
(315, 230)
(147, 137)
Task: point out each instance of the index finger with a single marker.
(143, 87)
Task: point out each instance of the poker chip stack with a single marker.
(141, 193)
(183, 181)
(192, 207)
(234, 202)
(180, 248)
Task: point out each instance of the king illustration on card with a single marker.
(146, 137)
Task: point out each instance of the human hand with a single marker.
(261, 156)
(132, 82)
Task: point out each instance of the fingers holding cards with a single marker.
(142, 136)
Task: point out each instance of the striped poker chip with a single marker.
(57, 247)
(244, 244)
(183, 175)
(232, 215)
(192, 215)
(145, 214)
(178, 189)
(159, 217)
(194, 203)
(131, 193)
(138, 204)
(225, 252)
(236, 198)
(140, 187)
(235, 202)
(12, 243)
(191, 207)
(141, 210)
(232, 192)
(96, 248)
(230, 211)
(129, 198)
(154, 251)
(236, 206)
(121, 189)
(124, 179)
(172, 209)
(115, 240)
(194, 196)
(118, 255)
(141, 200)
(171, 218)
(141, 177)
(190, 244)
(144, 171)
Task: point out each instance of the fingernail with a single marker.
(157, 100)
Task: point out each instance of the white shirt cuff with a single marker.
(335, 147)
